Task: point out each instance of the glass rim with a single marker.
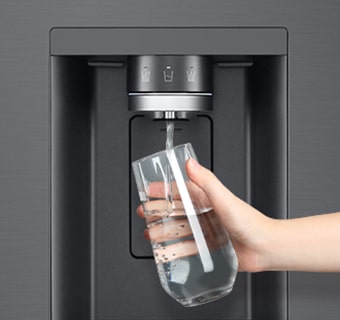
(153, 155)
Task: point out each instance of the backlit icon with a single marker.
(191, 74)
(168, 74)
(146, 73)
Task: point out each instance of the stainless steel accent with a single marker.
(184, 115)
(156, 115)
(169, 83)
(169, 73)
(170, 102)
(179, 115)
(169, 115)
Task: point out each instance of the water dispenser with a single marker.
(112, 91)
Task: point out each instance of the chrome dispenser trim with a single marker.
(169, 115)
(170, 101)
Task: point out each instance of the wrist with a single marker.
(269, 248)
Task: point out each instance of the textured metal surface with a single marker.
(314, 67)
(146, 41)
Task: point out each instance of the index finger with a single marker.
(160, 190)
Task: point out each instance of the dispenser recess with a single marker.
(101, 265)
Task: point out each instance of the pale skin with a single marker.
(262, 243)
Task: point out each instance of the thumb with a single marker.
(217, 193)
(233, 212)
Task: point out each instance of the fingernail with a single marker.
(195, 165)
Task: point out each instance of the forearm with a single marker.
(304, 244)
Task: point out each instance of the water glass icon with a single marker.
(168, 74)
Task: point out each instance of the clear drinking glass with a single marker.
(195, 259)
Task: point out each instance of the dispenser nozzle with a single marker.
(169, 115)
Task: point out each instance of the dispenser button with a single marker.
(146, 74)
(191, 74)
(168, 74)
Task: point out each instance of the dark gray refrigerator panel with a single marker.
(314, 131)
(96, 238)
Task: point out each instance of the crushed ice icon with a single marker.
(146, 74)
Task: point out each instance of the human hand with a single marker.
(245, 225)
(168, 227)
(248, 228)
(261, 243)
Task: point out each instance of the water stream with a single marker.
(169, 143)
